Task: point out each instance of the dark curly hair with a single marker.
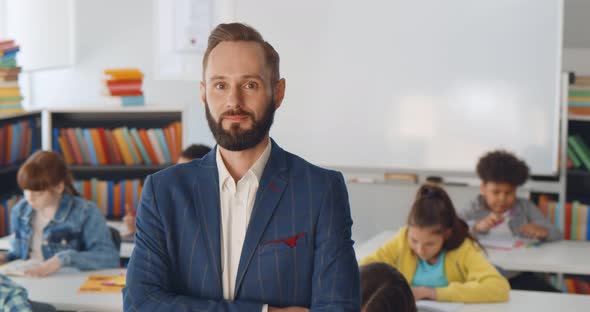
(385, 289)
(501, 166)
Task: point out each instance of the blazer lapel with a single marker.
(206, 201)
(270, 190)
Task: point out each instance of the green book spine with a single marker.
(581, 93)
(574, 226)
(573, 157)
(576, 143)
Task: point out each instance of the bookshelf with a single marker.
(86, 134)
(20, 136)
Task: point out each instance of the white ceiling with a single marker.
(577, 24)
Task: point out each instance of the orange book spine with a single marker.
(98, 148)
(63, 145)
(148, 146)
(117, 199)
(170, 143)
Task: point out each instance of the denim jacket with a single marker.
(77, 235)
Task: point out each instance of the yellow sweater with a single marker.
(471, 277)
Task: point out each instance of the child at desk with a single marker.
(438, 256)
(385, 289)
(497, 211)
(53, 224)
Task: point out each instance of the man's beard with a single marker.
(236, 139)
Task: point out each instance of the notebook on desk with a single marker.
(506, 242)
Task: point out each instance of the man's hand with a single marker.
(288, 309)
(533, 231)
(488, 222)
(421, 293)
(46, 268)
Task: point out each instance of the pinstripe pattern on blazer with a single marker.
(176, 266)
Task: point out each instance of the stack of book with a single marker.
(10, 96)
(123, 87)
(579, 96)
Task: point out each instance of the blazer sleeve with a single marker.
(149, 284)
(482, 282)
(335, 285)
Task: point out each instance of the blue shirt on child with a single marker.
(431, 275)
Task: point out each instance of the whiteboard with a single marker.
(422, 84)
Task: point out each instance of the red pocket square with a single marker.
(290, 241)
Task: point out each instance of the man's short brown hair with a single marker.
(243, 32)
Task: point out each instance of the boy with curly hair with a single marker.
(498, 211)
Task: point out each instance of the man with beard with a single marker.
(249, 227)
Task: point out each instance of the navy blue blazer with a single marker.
(297, 251)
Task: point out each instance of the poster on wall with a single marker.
(181, 32)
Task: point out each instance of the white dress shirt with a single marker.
(236, 201)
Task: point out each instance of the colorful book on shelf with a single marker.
(165, 148)
(10, 92)
(114, 151)
(576, 163)
(156, 145)
(581, 150)
(170, 144)
(132, 84)
(90, 144)
(142, 149)
(106, 154)
(124, 148)
(133, 149)
(148, 146)
(83, 146)
(65, 150)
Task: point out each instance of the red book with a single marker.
(111, 83)
(113, 146)
(126, 93)
(3, 140)
(73, 142)
(105, 146)
(170, 143)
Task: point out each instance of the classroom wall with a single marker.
(577, 60)
(112, 33)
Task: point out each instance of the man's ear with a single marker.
(203, 89)
(279, 92)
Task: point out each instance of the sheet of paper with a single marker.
(438, 306)
(18, 267)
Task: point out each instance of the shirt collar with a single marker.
(257, 168)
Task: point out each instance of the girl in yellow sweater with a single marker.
(439, 257)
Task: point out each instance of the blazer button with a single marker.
(64, 242)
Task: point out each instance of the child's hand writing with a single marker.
(489, 222)
(533, 231)
(421, 293)
(129, 218)
(46, 268)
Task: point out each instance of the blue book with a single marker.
(132, 100)
(110, 199)
(54, 143)
(90, 145)
(15, 142)
(165, 148)
(579, 104)
(11, 53)
(140, 147)
(83, 147)
(122, 199)
(34, 143)
(588, 225)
